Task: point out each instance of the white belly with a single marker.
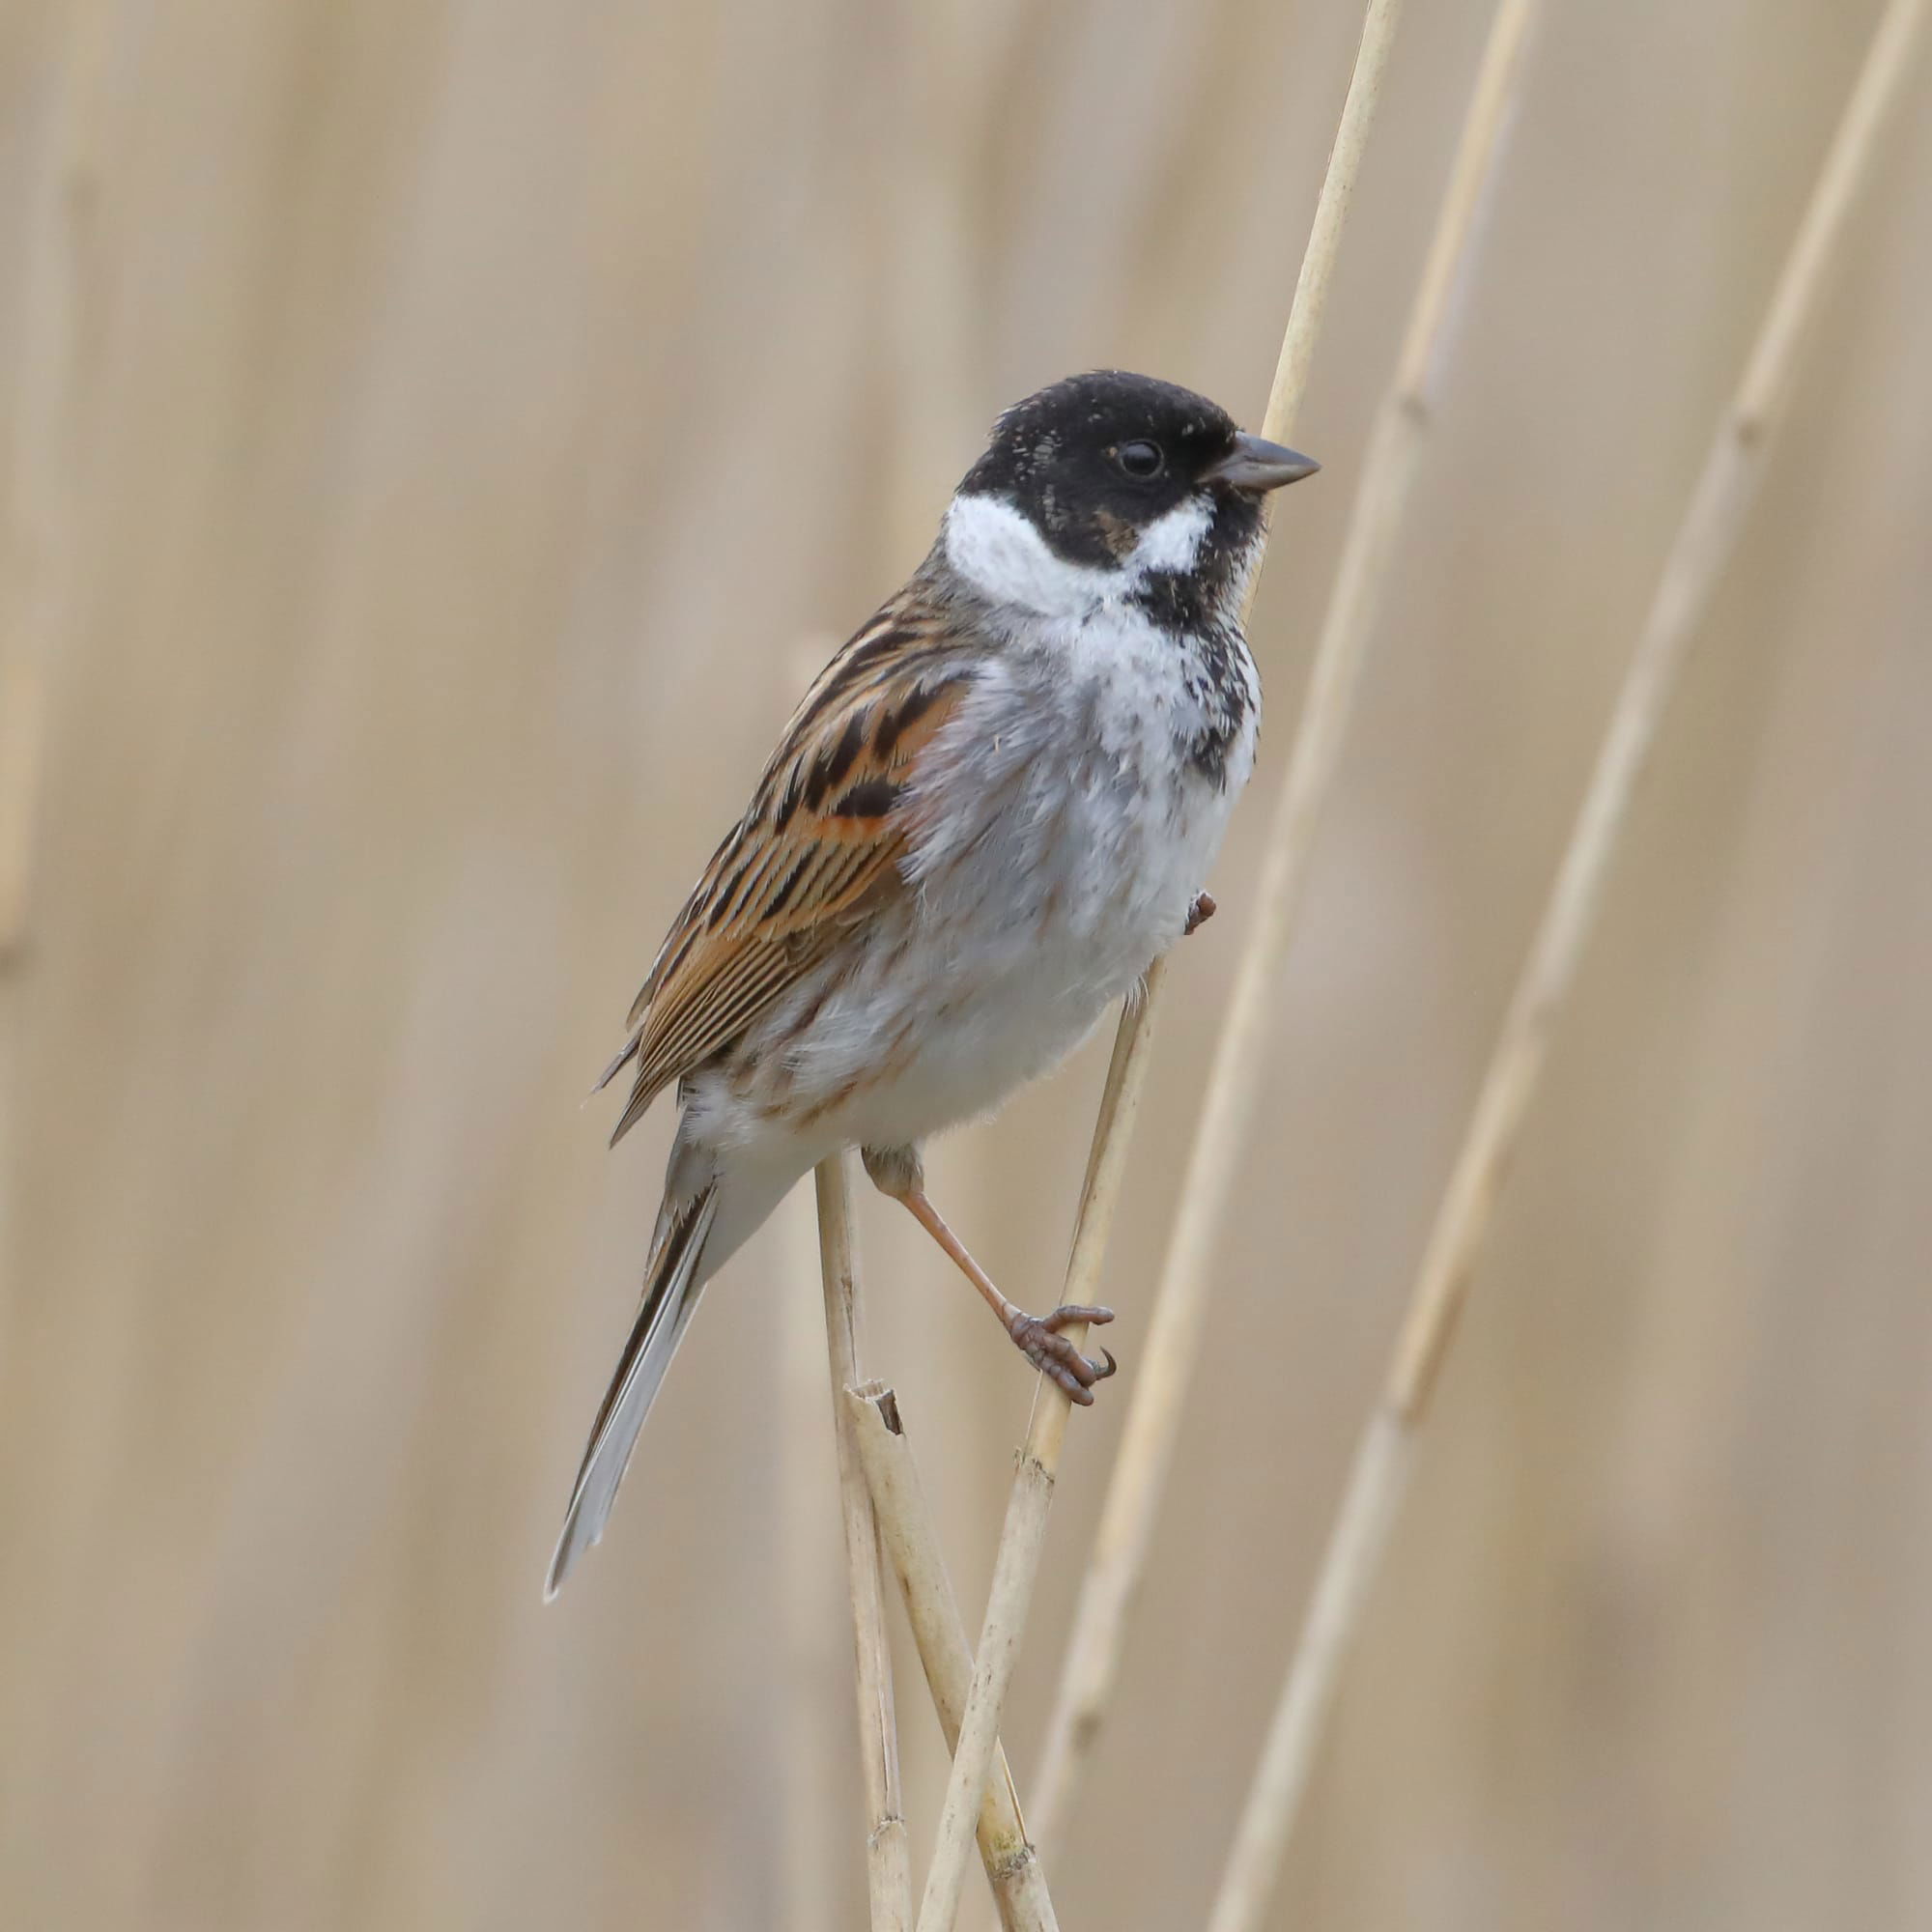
(1061, 838)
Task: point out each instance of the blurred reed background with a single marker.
(440, 439)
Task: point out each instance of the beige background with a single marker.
(442, 439)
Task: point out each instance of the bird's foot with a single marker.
(1039, 1339)
(1198, 912)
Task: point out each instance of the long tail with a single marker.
(671, 1287)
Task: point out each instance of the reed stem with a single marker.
(1394, 460)
(905, 1528)
(1023, 1536)
(1695, 566)
(888, 1856)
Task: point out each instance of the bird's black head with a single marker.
(1095, 461)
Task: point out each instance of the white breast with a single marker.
(1059, 799)
(1062, 832)
(1062, 837)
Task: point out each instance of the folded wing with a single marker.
(821, 842)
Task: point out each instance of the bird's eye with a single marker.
(1140, 460)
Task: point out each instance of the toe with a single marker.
(1069, 1313)
(1065, 1379)
(1058, 1349)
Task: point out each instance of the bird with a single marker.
(991, 811)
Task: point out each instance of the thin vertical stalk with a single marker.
(1394, 460)
(1309, 309)
(905, 1529)
(1016, 1564)
(1695, 566)
(808, 1633)
(888, 1856)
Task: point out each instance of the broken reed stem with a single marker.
(888, 1855)
(1023, 1535)
(813, 1821)
(905, 1530)
(1394, 460)
(1704, 541)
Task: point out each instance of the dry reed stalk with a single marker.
(905, 1528)
(1393, 462)
(1693, 569)
(808, 1633)
(1023, 1535)
(888, 1856)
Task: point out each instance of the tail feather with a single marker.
(671, 1289)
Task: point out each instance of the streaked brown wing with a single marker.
(825, 832)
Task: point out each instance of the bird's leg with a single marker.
(1037, 1336)
(1200, 912)
(900, 1172)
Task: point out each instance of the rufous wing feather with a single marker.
(823, 838)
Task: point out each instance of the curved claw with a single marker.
(1113, 1367)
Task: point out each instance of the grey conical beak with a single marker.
(1256, 465)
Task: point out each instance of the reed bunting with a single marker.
(992, 811)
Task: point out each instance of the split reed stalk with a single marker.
(1389, 471)
(1694, 567)
(888, 1856)
(812, 1827)
(905, 1529)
